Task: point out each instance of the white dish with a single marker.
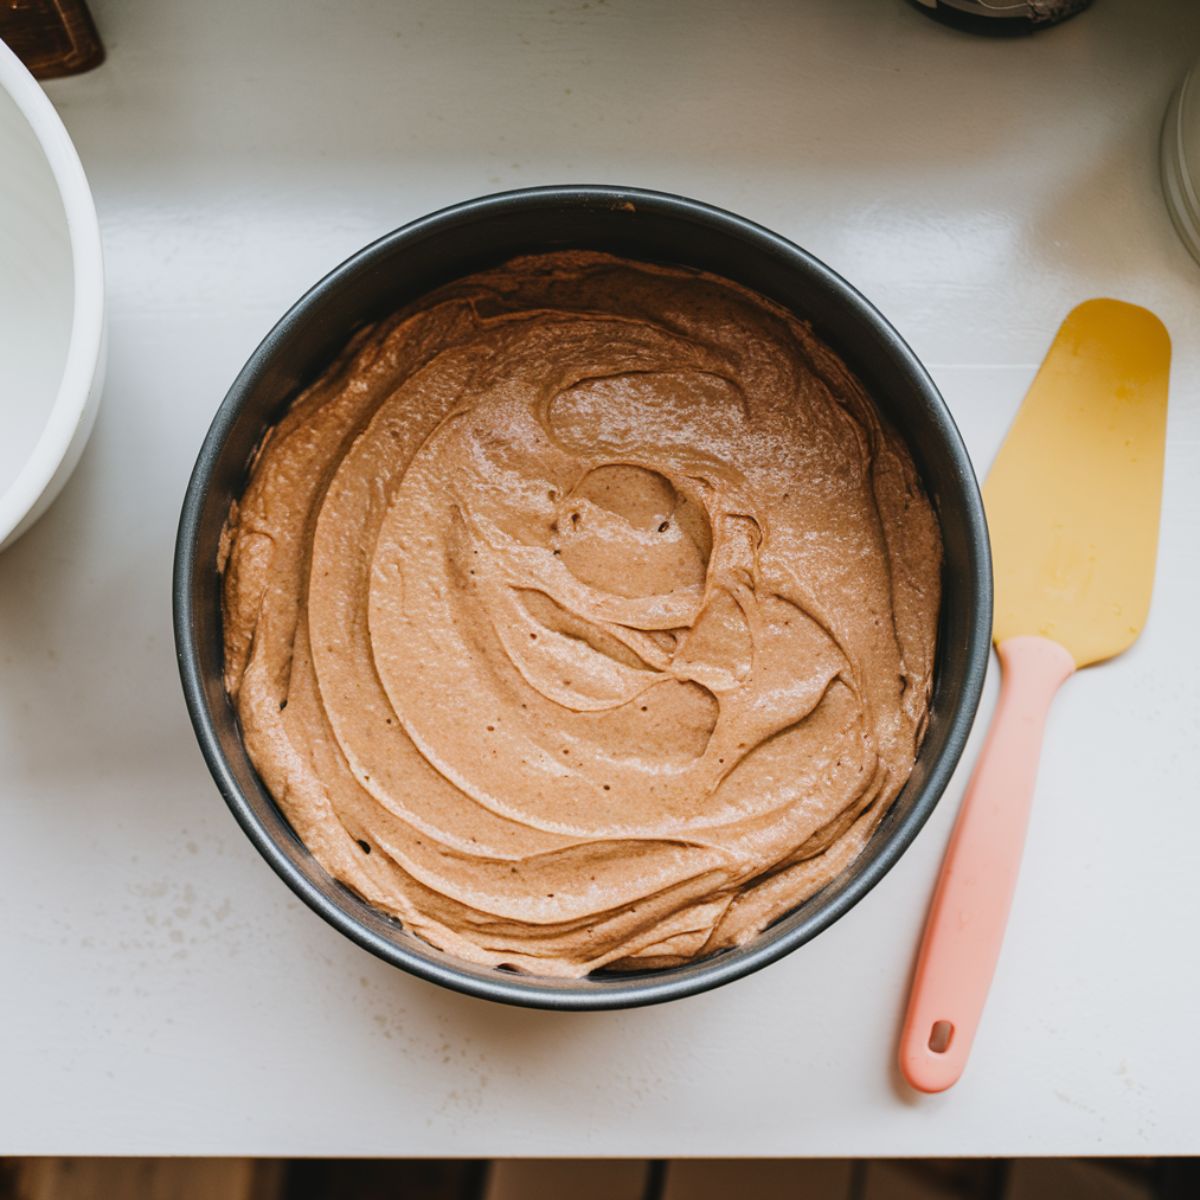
(51, 302)
(1180, 160)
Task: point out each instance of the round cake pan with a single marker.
(638, 224)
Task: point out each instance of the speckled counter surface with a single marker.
(163, 992)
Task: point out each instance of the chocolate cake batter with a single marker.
(583, 613)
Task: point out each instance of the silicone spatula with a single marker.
(1072, 503)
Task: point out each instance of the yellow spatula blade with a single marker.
(1073, 497)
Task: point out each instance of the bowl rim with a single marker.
(85, 347)
(653, 986)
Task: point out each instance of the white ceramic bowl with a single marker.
(51, 302)
(1181, 160)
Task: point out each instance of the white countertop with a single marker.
(164, 993)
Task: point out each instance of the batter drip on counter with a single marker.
(583, 614)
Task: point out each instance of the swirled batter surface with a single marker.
(583, 613)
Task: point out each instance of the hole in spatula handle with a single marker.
(940, 1036)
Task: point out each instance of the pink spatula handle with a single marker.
(970, 908)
